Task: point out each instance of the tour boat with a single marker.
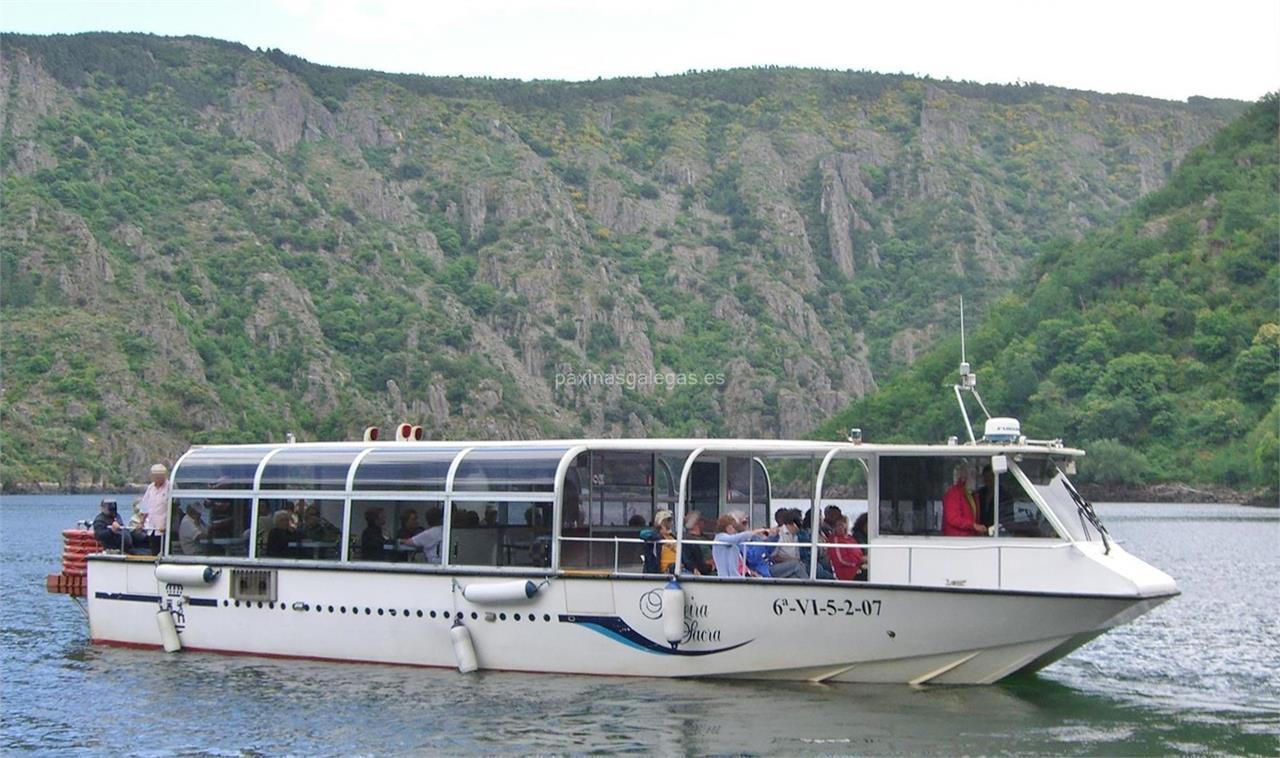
(538, 566)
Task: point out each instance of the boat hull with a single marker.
(782, 630)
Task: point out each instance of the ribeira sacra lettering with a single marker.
(812, 606)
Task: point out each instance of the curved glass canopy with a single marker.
(509, 469)
(210, 468)
(405, 470)
(309, 469)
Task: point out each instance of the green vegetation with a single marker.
(1153, 343)
(207, 243)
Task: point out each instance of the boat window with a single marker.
(404, 470)
(220, 468)
(209, 526)
(1057, 496)
(1020, 516)
(308, 469)
(305, 529)
(379, 528)
(508, 469)
(500, 533)
(911, 490)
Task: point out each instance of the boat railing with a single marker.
(910, 548)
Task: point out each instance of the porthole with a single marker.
(517, 617)
(331, 609)
(474, 615)
(546, 617)
(368, 611)
(419, 614)
(342, 609)
(502, 617)
(225, 603)
(379, 611)
(393, 612)
(433, 614)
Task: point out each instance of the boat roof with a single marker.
(709, 445)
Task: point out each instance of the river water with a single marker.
(1200, 674)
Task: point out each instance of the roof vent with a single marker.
(1006, 430)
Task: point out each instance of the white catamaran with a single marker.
(531, 559)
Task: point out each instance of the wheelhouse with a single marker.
(577, 506)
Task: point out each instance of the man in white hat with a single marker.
(155, 504)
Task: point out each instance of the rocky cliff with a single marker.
(203, 242)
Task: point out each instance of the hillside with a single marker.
(202, 242)
(1154, 342)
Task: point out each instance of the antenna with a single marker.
(968, 381)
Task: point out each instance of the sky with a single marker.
(1168, 49)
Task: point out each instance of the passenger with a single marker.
(731, 532)
(138, 518)
(155, 503)
(281, 534)
(959, 510)
(784, 563)
(409, 524)
(757, 558)
(859, 535)
(830, 515)
(846, 562)
(695, 559)
(373, 543)
(804, 538)
(431, 538)
(667, 537)
(111, 534)
(986, 497)
(635, 520)
(316, 528)
(651, 550)
(192, 530)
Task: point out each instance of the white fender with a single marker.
(500, 592)
(169, 573)
(463, 649)
(673, 612)
(168, 631)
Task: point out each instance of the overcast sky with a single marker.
(1167, 48)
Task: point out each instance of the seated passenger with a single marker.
(859, 535)
(431, 538)
(192, 530)
(757, 557)
(804, 538)
(281, 534)
(667, 537)
(846, 562)
(784, 563)
(651, 553)
(960, 510)
(316, 528)
(409, 524)
(112, 535)
(694, 559)
(731, 532)
(373, 543)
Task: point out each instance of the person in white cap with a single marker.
(155, 504)
(192, 529)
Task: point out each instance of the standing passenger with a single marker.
(846, 562)
(155, 504)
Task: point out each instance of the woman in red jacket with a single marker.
(960, 509)
(846, 562)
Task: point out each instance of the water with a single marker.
(1200, 674)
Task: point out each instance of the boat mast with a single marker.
(968, 382)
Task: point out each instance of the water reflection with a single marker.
(1197, 675)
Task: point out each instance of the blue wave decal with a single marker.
(617, 629)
